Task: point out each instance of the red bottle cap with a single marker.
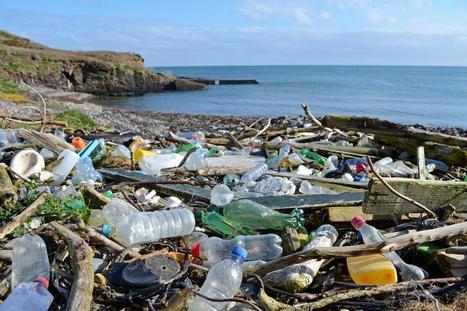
(358, 222)
(78, 142)
(196, 250)
(43, 280)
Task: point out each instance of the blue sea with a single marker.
(432, 96)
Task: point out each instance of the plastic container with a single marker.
(259, 247)
(386, 166)
(152, 226)
(8, 137)
(283, 152)
(371, 235)
(116, 209)
(371, 270)
(31, 296)
(223, 282)
(27, 163)
(68, 160)
(298, 277)
(221, 195)
(152, 165)
(313, 156)
(197, 160)
(29, 260)
(140, 153)
(85, 171)
(120, 151)
(257, 216)
(256, 172)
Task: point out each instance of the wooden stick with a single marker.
(422, 173)
(234, 140)
(260, 132)
(19, 219)
(313, 118)
(46, 140)
(80, 298)
(400, 195)
(389, 245)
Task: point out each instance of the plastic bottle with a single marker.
(255, 215)
(313, 156)
(29, 260)
(371, 235)
(372, 269)
(152, 165)
(307, 188)
(298, 277)
(68, 160)
(116, 209)
(152, 226)
(223, 281)
(221, 195)
(120, 151)
(254, 173)
(8, 137)
(85, 171)
(259, 247)
(32, 296)
(283, 152)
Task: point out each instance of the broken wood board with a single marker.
(431, 193)
(189, 192)
(377, 126)
(330, 183)
(453, 260)
(346, 213)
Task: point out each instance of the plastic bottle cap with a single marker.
(43, 280)
(106, 229)
(78, 142)
(239, 252)
(358, 222)
(196, 250)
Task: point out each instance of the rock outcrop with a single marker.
(99, 73)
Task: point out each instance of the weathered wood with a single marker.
(391, 244)
(8, 194)
(80, 298)
(377, 126)
(218, 141)
(346, 213)
(422, 172)
(94, 199)
(350, 150)
(180, 301)
(217, 171)
(431, 193)
(25, 214)
(45, 140)
(330, 183)
(453, 260)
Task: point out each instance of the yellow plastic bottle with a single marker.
(371, 270)
(140, 153)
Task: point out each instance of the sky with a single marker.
(251, 32)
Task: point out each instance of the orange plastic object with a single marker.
(78, 142)
(371, 270)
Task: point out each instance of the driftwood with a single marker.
(391, 244)
(422, 172)
(46, 140)
(453, 260)
(317, 122)
(19, 219)
(8, 194)
(80, 298)
(94, 199)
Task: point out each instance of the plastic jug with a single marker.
(371, 270)
(68, 160)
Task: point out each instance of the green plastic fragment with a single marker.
(223, 226)
(108, 194)
(185, 148)
(313, 156)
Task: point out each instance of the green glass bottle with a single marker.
(313, 156)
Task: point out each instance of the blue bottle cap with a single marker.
(106, 228)
(239, 252)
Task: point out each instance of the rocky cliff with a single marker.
(99, 73)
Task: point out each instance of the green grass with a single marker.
(9, 87)
(14, 66)
(75, 119)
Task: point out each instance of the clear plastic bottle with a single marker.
(221, 195)
(298, 277)
(223, 281)
(116, 209)
(259, 247)
(371, 235)
(67, 160)
(85, 171)
(256, 172)
(307, 188)
(29, 260)
(32, 296)
(152, 226)
(283, 152)
(152, 165)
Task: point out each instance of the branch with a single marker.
(400, 195)
(260, 132)
(80, 298)
(320, 125)
(19, 219)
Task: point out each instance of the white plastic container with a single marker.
(152, 165)
(31, 296)
(29, 260)
(371, 235)
(223, 281)
(27, 163)
(259, 247)
(68, 161)
(307, 188)
(221, 195)
(152, 226)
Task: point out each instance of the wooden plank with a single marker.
(432, 193)
(422, 172)
(346, 213)
(330, 183)
(453, 260)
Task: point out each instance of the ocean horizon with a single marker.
(427, 95)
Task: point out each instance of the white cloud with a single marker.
(262, 10)
(349, 4)
(325, 15)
